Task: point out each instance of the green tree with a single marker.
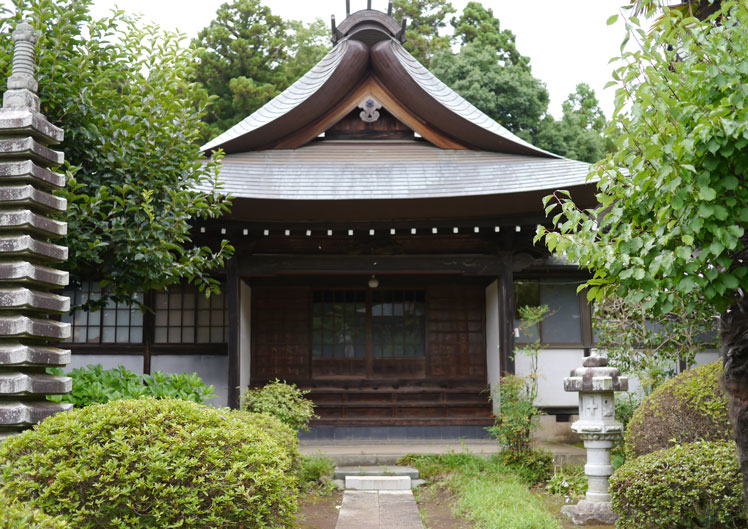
(490, 72)
(673, 198)
(240, 61)
(478, 25)
(131, 119)
(426, 20)
(641, 343)
(508, 93)
(248, 56)
(578, 134)
(306, 45)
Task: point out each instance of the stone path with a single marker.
(372, 501)
(379, 509)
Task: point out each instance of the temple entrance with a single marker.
(410, 351)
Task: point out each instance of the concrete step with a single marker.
(375, 470)
(377, 483)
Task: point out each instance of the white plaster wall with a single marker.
(493, 358)
(132, 362)
(553, 366)
(211, 369)
(706, 357)
(245, 335)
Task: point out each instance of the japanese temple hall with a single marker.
(383, 229)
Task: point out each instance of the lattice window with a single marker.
(355, 323)
(184, 315)
(339, 324)
(398, 324)
(115, 323)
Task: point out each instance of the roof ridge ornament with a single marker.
(368, 25)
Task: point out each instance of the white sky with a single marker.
(567, 42)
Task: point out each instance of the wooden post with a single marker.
(506, 315)
(232, 297)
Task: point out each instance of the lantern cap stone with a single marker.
(595, 361)
(596, 376)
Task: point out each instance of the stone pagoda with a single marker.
(27, 257)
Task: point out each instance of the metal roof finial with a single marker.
(368, 5)
(22, 85)
(389, 8)
(347, 8)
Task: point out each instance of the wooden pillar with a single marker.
(232, 297)
(506, 315)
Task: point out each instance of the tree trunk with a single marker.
(734, 331)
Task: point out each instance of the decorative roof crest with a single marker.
(368, 25)
(369, 109)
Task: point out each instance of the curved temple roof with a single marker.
(347, 65)
(473, 166)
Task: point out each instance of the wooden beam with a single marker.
(506, 316)
(232, 297)
(280, 265)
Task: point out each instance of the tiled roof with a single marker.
(353, 170)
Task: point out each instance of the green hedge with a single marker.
(688, 408)
(22, 516)
(694, 485)
(148, 463)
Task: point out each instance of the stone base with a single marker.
(590, 513)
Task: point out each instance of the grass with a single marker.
(488, 493)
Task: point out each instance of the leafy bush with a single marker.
(316, 474)
(21, 516)
(691, 485)
(95, 385)
(569, 481)
(533, 466)
(284, 401)
(517, 420)
(148, 463)
(688, 408)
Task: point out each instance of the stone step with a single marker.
(377, 483)
(375, 470)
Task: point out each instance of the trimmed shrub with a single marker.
(689, 408)
(148, 463)
(691, 485)
(282, 434)
(21, 516)
(282, 400)
(95, 385)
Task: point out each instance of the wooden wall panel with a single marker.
(455, 329)
(280, 333)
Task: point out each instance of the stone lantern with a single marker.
(598, 428)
